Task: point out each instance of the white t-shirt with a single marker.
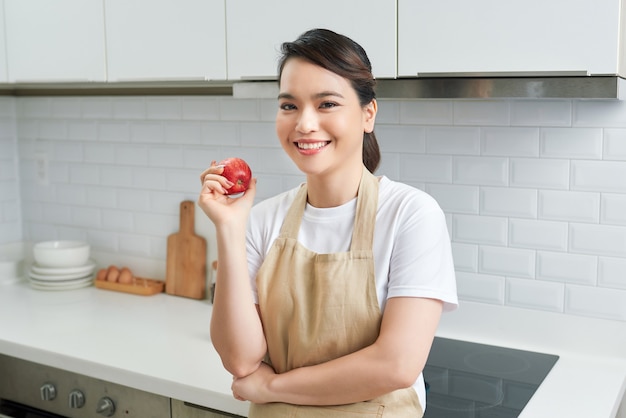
(412, 254)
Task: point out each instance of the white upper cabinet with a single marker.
(3, 51)
(60, 40)
(50, 41)
(256, 29)
(165, 40)
(492, 36)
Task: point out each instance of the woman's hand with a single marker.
(393, 362)
(218, 206)
(255, 387)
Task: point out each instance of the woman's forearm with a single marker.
(360, 376)
(393, 362)
(236, 329)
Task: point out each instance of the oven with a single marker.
(464, 380)
(10, 409)
(31, 390)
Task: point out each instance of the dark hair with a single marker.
(340, 55)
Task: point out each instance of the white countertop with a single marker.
(589, 378)
(161, 344)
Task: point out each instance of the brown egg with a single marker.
(126, 276)
(112, 274)
(102, 274)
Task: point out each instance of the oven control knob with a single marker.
(105, 407)
(48, 392)
(77, 399)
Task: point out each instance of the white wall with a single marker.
(534, 191)
(10, 225)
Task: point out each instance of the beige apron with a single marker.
(318, 307)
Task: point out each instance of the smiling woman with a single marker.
(321, 122)
(349, 273)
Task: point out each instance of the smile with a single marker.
(312, 145)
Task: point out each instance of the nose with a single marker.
(307, 120)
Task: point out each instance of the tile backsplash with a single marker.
(534, 190)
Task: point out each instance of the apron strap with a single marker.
(366, 208)
(291, 224)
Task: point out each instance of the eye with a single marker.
(286, 106)
(328, 105)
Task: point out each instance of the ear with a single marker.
(369, 116)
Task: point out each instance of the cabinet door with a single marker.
(256, 29)
(60, 40)
(3, 51)
(165, 40)
(491, 36)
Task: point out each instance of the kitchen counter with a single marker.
(160, 344)
(589, 378)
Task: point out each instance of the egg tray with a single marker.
(139, 286)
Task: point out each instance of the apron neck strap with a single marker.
(291, 224)
(365, 217)
(364, 220)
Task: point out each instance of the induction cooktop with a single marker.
(471, 380)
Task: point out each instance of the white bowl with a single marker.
(10, 270)
(61, 253)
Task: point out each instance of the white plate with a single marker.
(56, 282)
(61, 271)
(58, 277)
(43, 277)
(76, 284)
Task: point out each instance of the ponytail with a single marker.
(371, 152)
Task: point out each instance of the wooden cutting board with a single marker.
(185, 265)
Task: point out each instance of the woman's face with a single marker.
(320, 122)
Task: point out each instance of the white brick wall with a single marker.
(534, 294)
(534, 190)
(569, 206)
(10, 226)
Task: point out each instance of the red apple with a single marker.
(236, 171)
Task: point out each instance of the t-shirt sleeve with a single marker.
(421, 263)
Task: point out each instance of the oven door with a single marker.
(9, 409)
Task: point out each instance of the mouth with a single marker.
(312, 146)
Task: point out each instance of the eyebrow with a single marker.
(319, 95)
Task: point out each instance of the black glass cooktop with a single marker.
(470, 380)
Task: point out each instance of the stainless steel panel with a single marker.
(597, 87)
(182, 409)
(442, 86)
(20, 381)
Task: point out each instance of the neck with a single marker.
(327, 191)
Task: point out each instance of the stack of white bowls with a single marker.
(61, 265)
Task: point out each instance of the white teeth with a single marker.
(309, 145)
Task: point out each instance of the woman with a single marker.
(348, 273)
